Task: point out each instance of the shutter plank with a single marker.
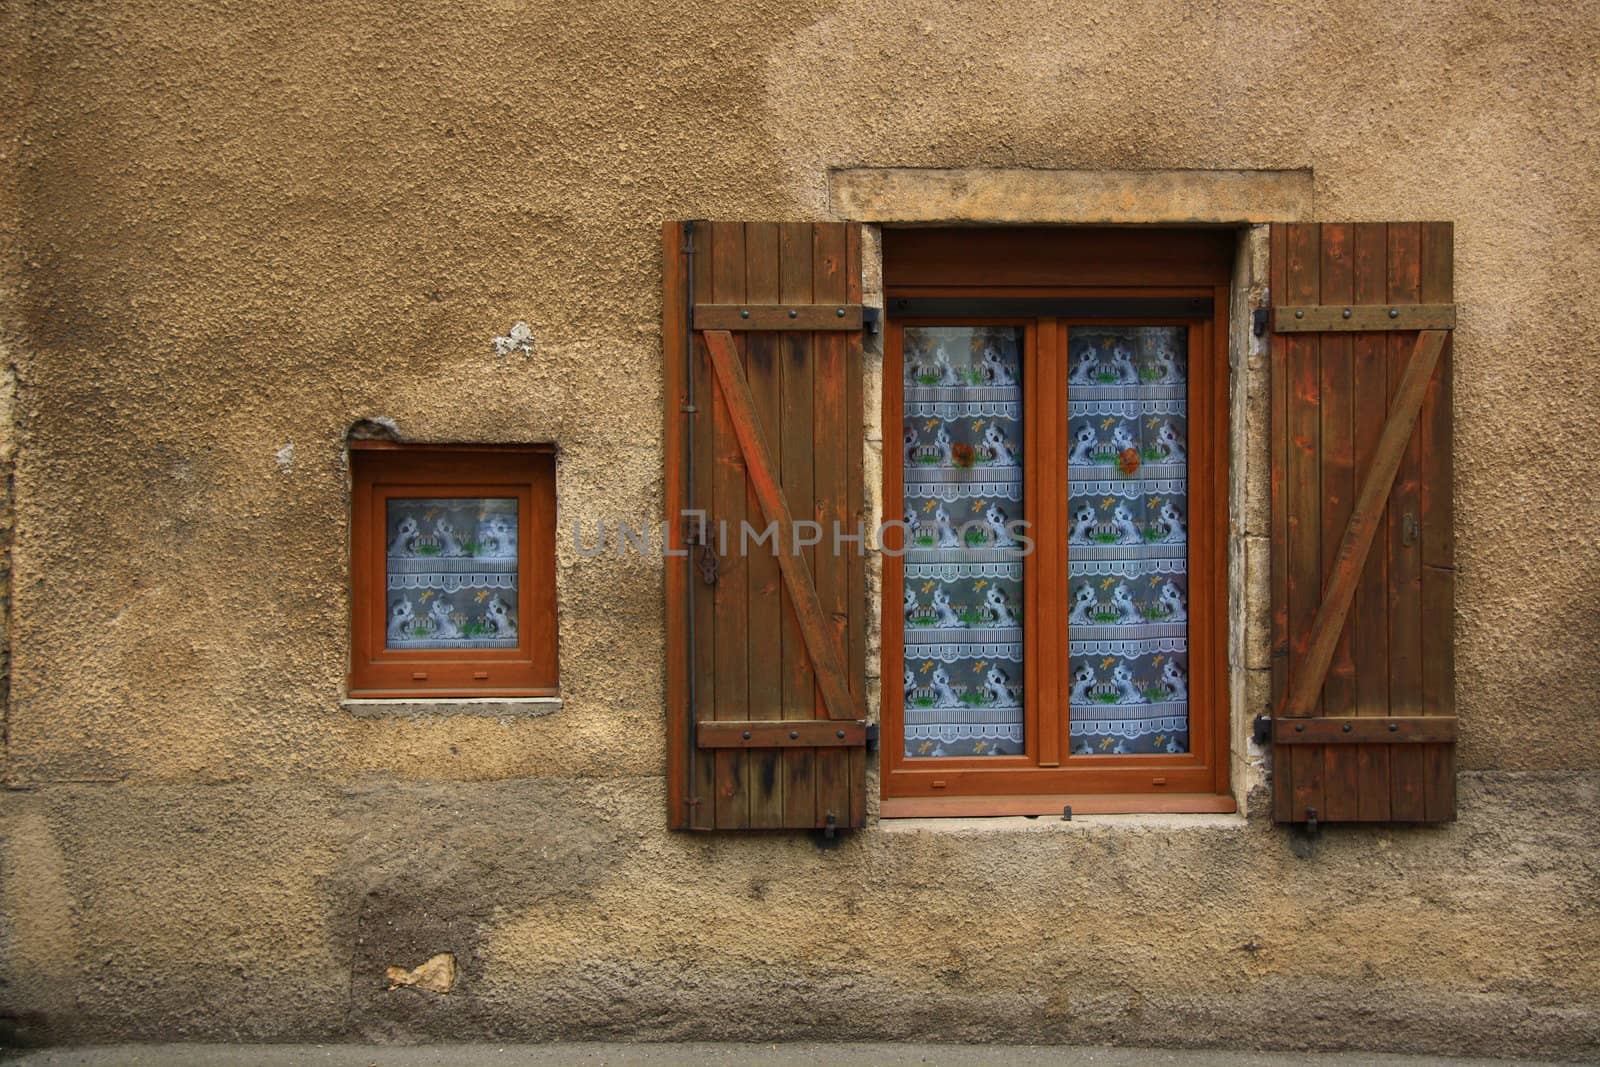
(1304, 498)
(1437, 282)
(1406, 764)
(1277, 281)
(832, 488)
(765, 605)
(1337, 286)
(1370, 613)
(675, 357)
(795, 466)
(704, 815)
(731, 592)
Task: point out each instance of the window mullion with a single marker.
(1041, 415)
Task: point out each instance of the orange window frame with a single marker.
(381, 471)
(1048, 777)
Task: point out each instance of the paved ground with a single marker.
(688, 1055)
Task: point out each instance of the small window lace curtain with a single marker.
(1128, 539)
(962, 456)
(452, 573)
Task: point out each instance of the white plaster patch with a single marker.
(518, 339)
(284, 457)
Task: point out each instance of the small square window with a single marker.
(453, 572)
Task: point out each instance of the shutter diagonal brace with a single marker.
(821, 643)
(1363, 525)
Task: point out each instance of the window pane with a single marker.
(1127, 546)
(452, 573)
(962, 454)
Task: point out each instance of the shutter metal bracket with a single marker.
(802, 317)
(1259, 318)
(765, 317)
(872, 737)
(1325, 318)
(1261, 730)
(696, 532)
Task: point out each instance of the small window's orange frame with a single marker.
(383, 470)
(1071, 264)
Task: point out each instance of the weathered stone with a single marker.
(1078, 196)
(1253, 606)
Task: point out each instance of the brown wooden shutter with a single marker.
(1363, 572)
(762, 344)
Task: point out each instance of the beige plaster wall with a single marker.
(230, 229)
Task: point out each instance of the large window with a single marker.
(1056, 604)
(453, 589)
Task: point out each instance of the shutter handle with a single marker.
(698, 533)
(708, 563)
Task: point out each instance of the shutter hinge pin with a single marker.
(1066, 813)
(1258, 321)
(1261, 729)
(830, 827)
(1311, 820)
(688, 409)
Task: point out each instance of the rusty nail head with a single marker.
(794, 734)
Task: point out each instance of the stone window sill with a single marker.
(1047, 824)
(487, 707)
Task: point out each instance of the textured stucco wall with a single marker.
(231, 227)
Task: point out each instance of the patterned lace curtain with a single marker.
(1127, 549)
(963, 573)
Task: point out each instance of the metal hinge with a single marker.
(870, 317)
(1261, 730)
(872, 737)
(1261, 317)
(696, 531)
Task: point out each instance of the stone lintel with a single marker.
(911, 195)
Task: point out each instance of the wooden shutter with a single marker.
(762, 344)
(1362, 545)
